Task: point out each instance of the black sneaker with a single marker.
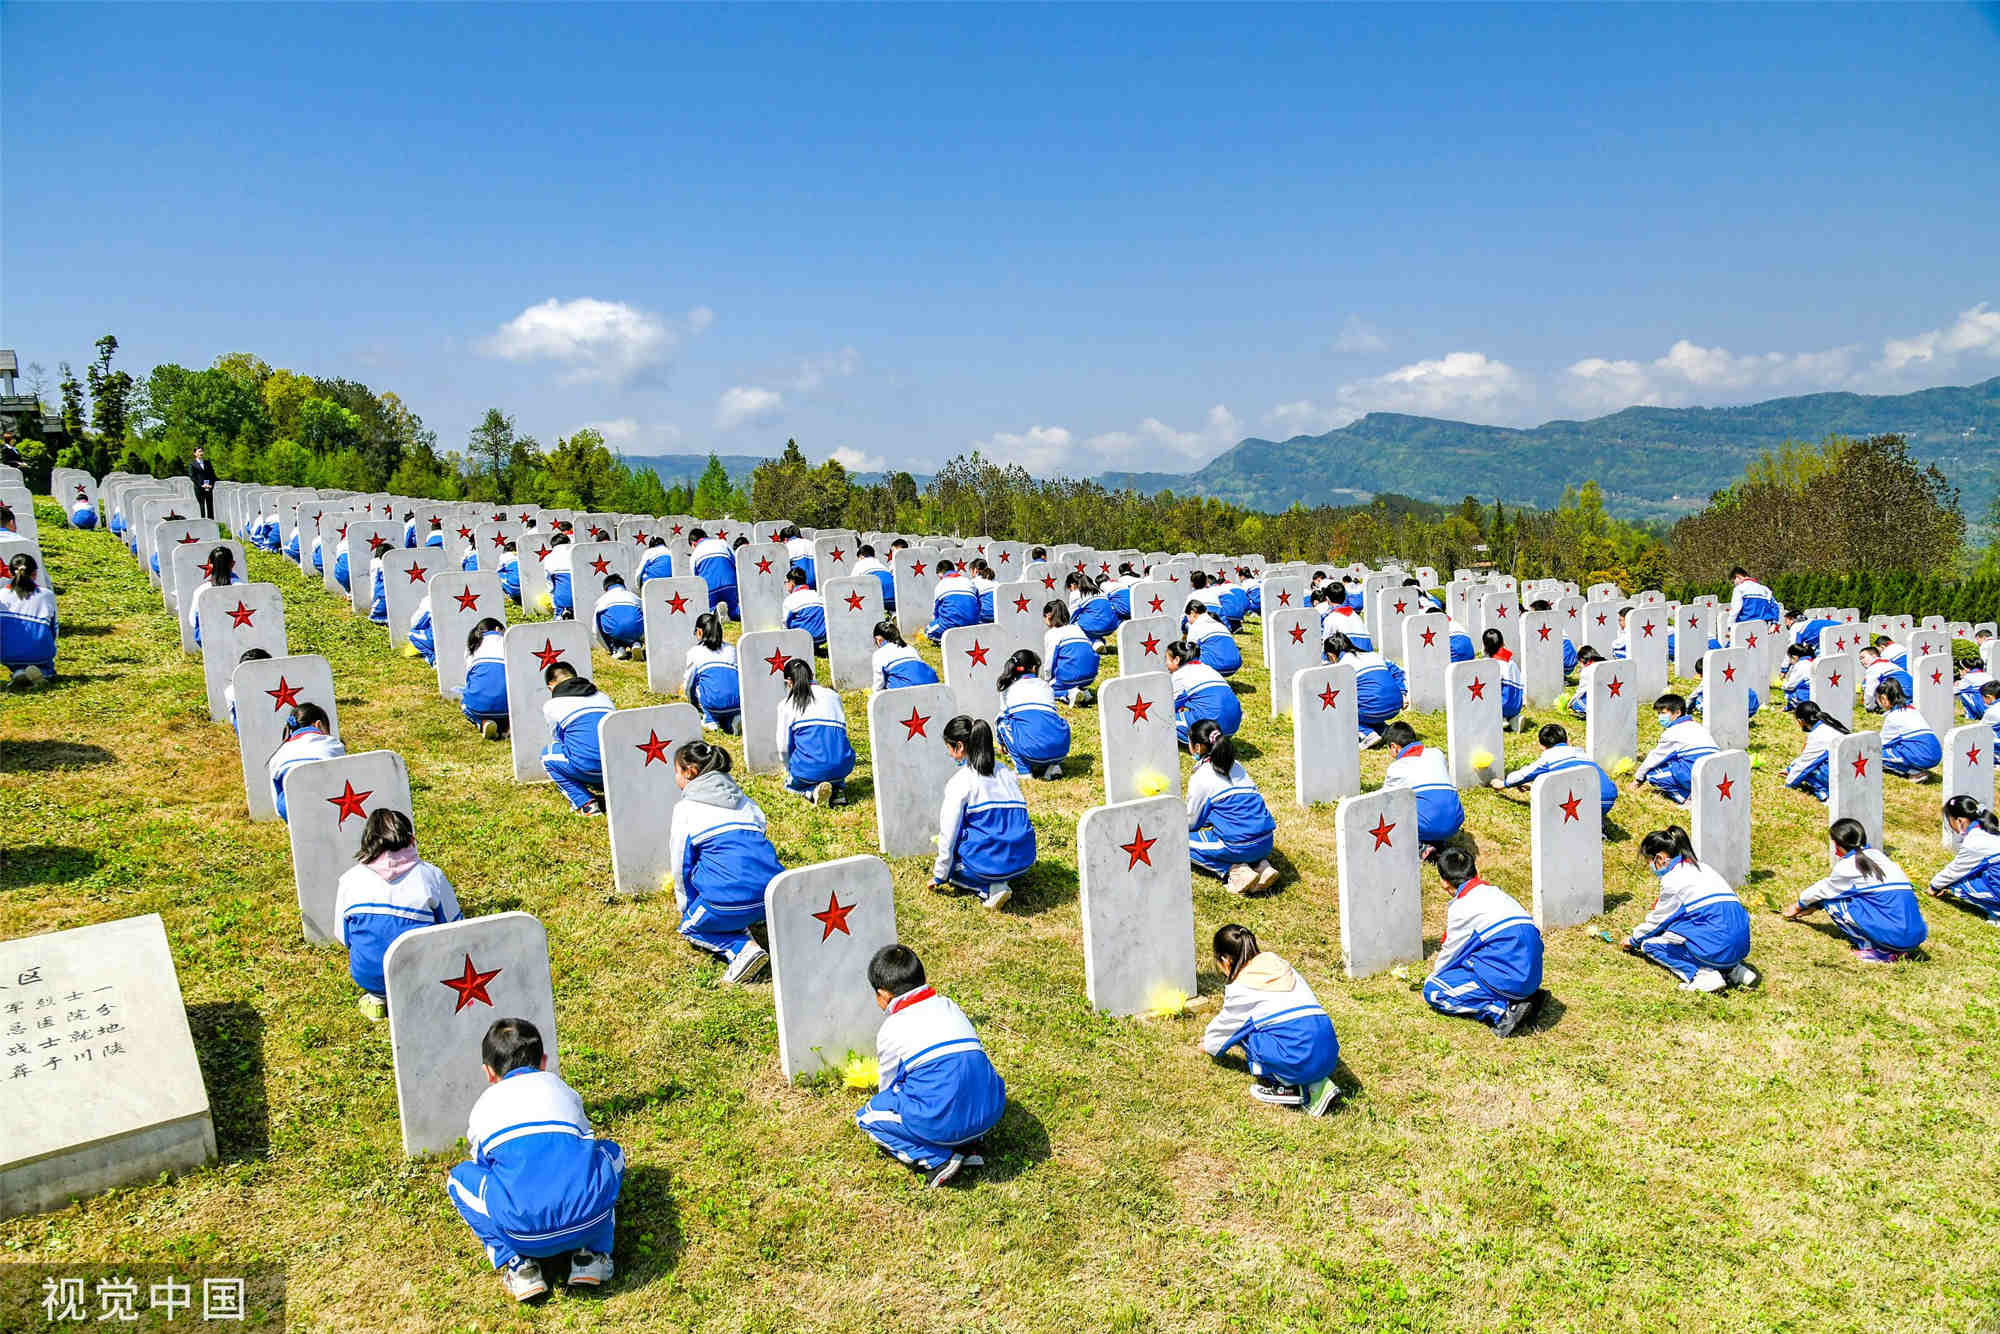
(1517, 1013)
(973, 1153)
(1277, 1095)
(939, 1176)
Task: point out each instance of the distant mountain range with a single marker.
(1653, 463)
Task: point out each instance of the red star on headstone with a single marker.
(1600, 618)
(1173, 578)
(1401, 607)
(1751, 640)
(917, 567)
(1972, 756)
(777, 662)
(763, 565)
(1860, 766)
(1501, 610)
(836, 555)
(207, 570)
(1723, 789)
(1020, 603)
(1005, 555)
(1569, 808)
(524, 518)
(467, 600)
(1284, 597)
(464, 533)
(655, 747)
(1615, 688)
(416, 573)
(189, 539)
(722, 534)
(915, 724)
(1937, 678)
(1430, 638)
(343, 532)
(676, 532)
(1048, 581)
(1327, 697)
(600, 565)
(639, 539)
(1104, 567)
(1476, 688)
(1543, 631)
(1151, 643)
(548, 654)
(1648, 629)
(835, 917)
(349, 801)
(471, 985)
(542, 551)
(1693, 621)
(1729, 673)
(1158, 605)
(1381, 833)
(1140, 849)
(854, 602)
(1833, 678)
(1140, 709)
(286, 694)
(977, 653)
(1298, 633)
(678, 604)
(1079, 567)
(499, 540)
(1572, 613)
(240, 616)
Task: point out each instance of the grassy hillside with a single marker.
(1815, 1155)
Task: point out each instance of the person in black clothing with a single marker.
(203, 474)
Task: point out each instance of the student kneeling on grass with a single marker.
(1868, 897)
(984, 835)
(541, 1186)
(229, 690)
(423, 640)
(1808, 772)
(1440, 812)
(1972, 877)
(572, 759)
(720, 860)
(1229, 826)
(1070, 656)
(1268, 1010)
(1910, 748)
(1698, 929)
(1669, 766)
(27, 625)
(1033, 731)
(1489, 962)
(484, 702)
(1557, 756)
(803, 609)
(308, 736)
(620, 621)
(710, 679)
(812, 737)
(391, 890)
(940, 1093)
(1200, 692)
(895, 663)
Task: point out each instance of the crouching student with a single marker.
(1797, 681)
(541, 1187)
(1808, 772)
(229, 689)
(1229, 826)
(1694, 704)
(895, 663)
(940, 1094)
(1512, 685)
(572, 759)
(720, 860)
(1379, 686)
(866, 562)
(710, 679)
(954, 603)
(560, 566)
(812, 737)
(1211, 639)
(1440, 813)
(1966, 691)
(1272, 1014)
(82, 514)
(308, 736)
(484, 702)
(1200, 692)
(1489, 962)
(422, 640)
(1867, 896)
(388, 891)
(803, 609)
(1910, 749)
(1559, 756)
(221, 574)
(984, 836)
(1669, 767)
(1090, 610)
(1030, 726)
(1070, 656)
(659, 563)
(509, 571)
(620, 622)
(1972, 877)
(1698, 929)
(1579, 703)
(27, 625)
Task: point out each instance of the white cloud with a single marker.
(1304, 417)
(1356, 335)
(591, 341)
(855, 461)
(813, 374)
(699, 319)
(1470, 386)
(1152, 446)
(745, 403)
(629, 435)
(1975, 331)
(1039, 449)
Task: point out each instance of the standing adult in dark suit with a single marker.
(203, 474)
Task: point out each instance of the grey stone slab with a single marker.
(112, 1093)
(304, 527)
(1137, 899)
(537, 590)
(531, 650)
(972, 656)
(640, 793)
(163, 520)
(760, 584)
(360, 540)
(1385, 624)
(1458, 595)
(1600, 626)
(459, 601)
(1326, 748)
(914, 572)
(1931, 675)
(1142, 644)
(910, 765)
(1646, 650)
(1473, 725)
(1046, 578)
(1496, 609)
(186, 569)
(670, 607)
(266, 693)
(1924, 643)
(447, 984)
(1426, 654)
(1834, 682)
(1611, 732)
(768, 530)
(1138, 748)
(1602, 592)
(1719, 814)
(22, 502)
(1694, 626)
(333, 526)
(406, 572)
(1726, 676)
(1292, 644)
(328, 803)
(1854, 782)
(1541, 659)
(593, 563)
(1151, 599)
(171, 537)
(1017, 610)
(1566, 848)
(1968, 767)
(234, 620)
(1275, 593)
(1381, 897)
(761, 656)
(833, 555)
(853, 609)
(826, 922)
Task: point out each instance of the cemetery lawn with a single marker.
(1818, 1154)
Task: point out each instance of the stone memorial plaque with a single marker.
(972, 656)
(1931, 675)
(760, 585)
(593, 563)
(910, 765)
(1719, 814)
(234, 620)
(1854, 783)
(1292, 645)
(914, 572)
(1137, 899)
(826, 922)
(1139, 748)
(1326, 750)
(1381, 898)
(640, 793)
(1472, 722)
(833, 555)
(1600, 626)
(1611, 732)
(1646, 650)
(1017, 611)
(531, 650)
(329, 802)
(1541, 659)
(853, 609)
(1496, 610)
(761, 656)
(1142, 644)
(1835, 679)
(670, 607)
(266, 693)
(172, 538)
(405, 575)
(1725, 696)
(360, 540)
(186, 568)
(1566, 848)
(333, 526)
(1694, 626)
(459, 601)
(1968, 768)
(1426, 654)
(1152, 599)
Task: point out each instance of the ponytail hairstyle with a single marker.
(1338, 646)
(1180, 653)
(308, 715)
(22, 568)
(1492, 641)
(1235, 947)
(1207, 742)
(1795, 652)
(1852, 839)
(221, 565)
(982, 569)
(1025, 662)
(1673, 841)
(1587, 655)
(487, 625)
(1811, 715)
(1056, 612)
(1963, 807)
(386, 831)
(799, 682)
(708, 629)
(887, 632)
(702, 757)
(977, 738)
(1197, 579)
(1890, 693)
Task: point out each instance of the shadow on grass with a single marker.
(46, 864)
(39, 756)
(1046, 886)
(229, 1042)
(649, 1241)
(87, 631)
(1017, 1144)
(1552, 1012)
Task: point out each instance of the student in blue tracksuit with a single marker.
(82, 514)
(803, 609)
(1119, 590)
(434, 533)
(1808, 772)
(620, 621)
(1877, 667)
(1089, 610)
(559, 565)
(1966, 691)
(866, 562)
(541, 1187)
(720, 860)
(940, 1094)
(1272, 1014)
(1211, 638)
(572, 759)
(1797, 681)
(1805, 633)
(341, 574)
(1200, 692)
(509, 570)
(388, 891)
(27, 624)
(954, 602)
(1559, 756)
(1337, 618)
(1489, 960)
(799, 553)
(1440, 813)
(1868, 897)
(984, 584)
(221, 574)
(1229, 827)
(1379, 688)
(984, 837)
(308, 736)
(1461, 641)
(1070, 656)
(715, 565)
(1579, 703)
(1751, 601)
(1031, 728)
(895, 663)
(659, 563)
(1698, 929)
(1511, 683)
(1229, 601)
(812, 737)
(1910, 747)
(378, 591)
(1669, 766)
(229, 690)
(485, 700)
(1972, 877)
(422, 640)
(710, 680)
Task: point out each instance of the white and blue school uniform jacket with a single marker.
(1270, 1012)
(340, 571)
(1233, 810)
(1461, 642)
(813, 740)
(370, 911)
(1352, 595)
(292, 547)
(509, 570)
(1669, 766)
(1751, 601)
(1697, 905)
(1879, 909)
(378, 593)
(883, 576)
(559, 565)
(1119, 590)
(1095, 616)
(306, 744)
(468, 559)
(1030, 726)
(954, 603)
(937, 1082)
(1967, 693)
(803, 610)
(194, 617)
(898, 665)
(27, 628)
(1909, 745)
(420, 631)
(1200, 692)
(984, 587)
(1797, 683)
(1339, 617)
(799, 556)
(410, 531)
(1561, 759)
(1378, 688)
(1231, 601)
(618, 617)
(542, 1176)
(1511, 685)
(1883, 669)
(435, 538)
(659, 565)
(572, 721)
(718, 855)
(83, 514)
(1068, 657)
(1488, 935)
(710, 681)
(1973, 874)
(1440, 813)
(486, 680)
(1217, 647)
(318, 557)
(983, 831)
(1806, 635)
(715, 563)
(1809, 770)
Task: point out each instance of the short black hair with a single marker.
(895, 969)
(1672, 703)
(1455, 866)
(1399, 734)
(1553, 734)
(511, 1044)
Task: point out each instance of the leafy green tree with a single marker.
(325, 427)
(212, 409)
(72, 403)
(712, 493)
(490, 446)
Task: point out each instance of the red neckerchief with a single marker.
(911, 998)
(1468, 886)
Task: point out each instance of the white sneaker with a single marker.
(1743, 975)
(1370, 740)
(1705, 979)
(1267, 877)
(822, 794)
(748, 963)
(997, 896)
(374, 1008)
(1054, 771)
(1277, 1095)
(524, 1280)
(589, 1269)
(1240, 879)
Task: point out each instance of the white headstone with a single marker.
(1646, 650)
(1726, 676)
(1426, 654)
(972, 657)
(235, 620)
(1292, 644)
(1600, 626)
(531, 650)
(1854, 782)
(459, 601)
(1495, 609)
(1931, 675)
(1835, 679)
(1142, 644)
(406, 572)
(826, 922)
(640, 793)
(1139, 748)
(1017, 611)
(1611, 705)
(1541, 655)
(760, 584)
(327, 803)
(1326, 748)
(266, 693)
(853, 609)
(1381, 899)
(761, 656)
(1694, 626)
(1719, 812)
(833, 556)
(1137, 897)
(1566, 842)
(914, 572)
(910, 765)
(670, 607)
(1968, 767)
(189, 568)
(1473, 723)
(361, 545)
(593, 563)
(1152, 598)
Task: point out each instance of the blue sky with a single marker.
(1076, 237)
